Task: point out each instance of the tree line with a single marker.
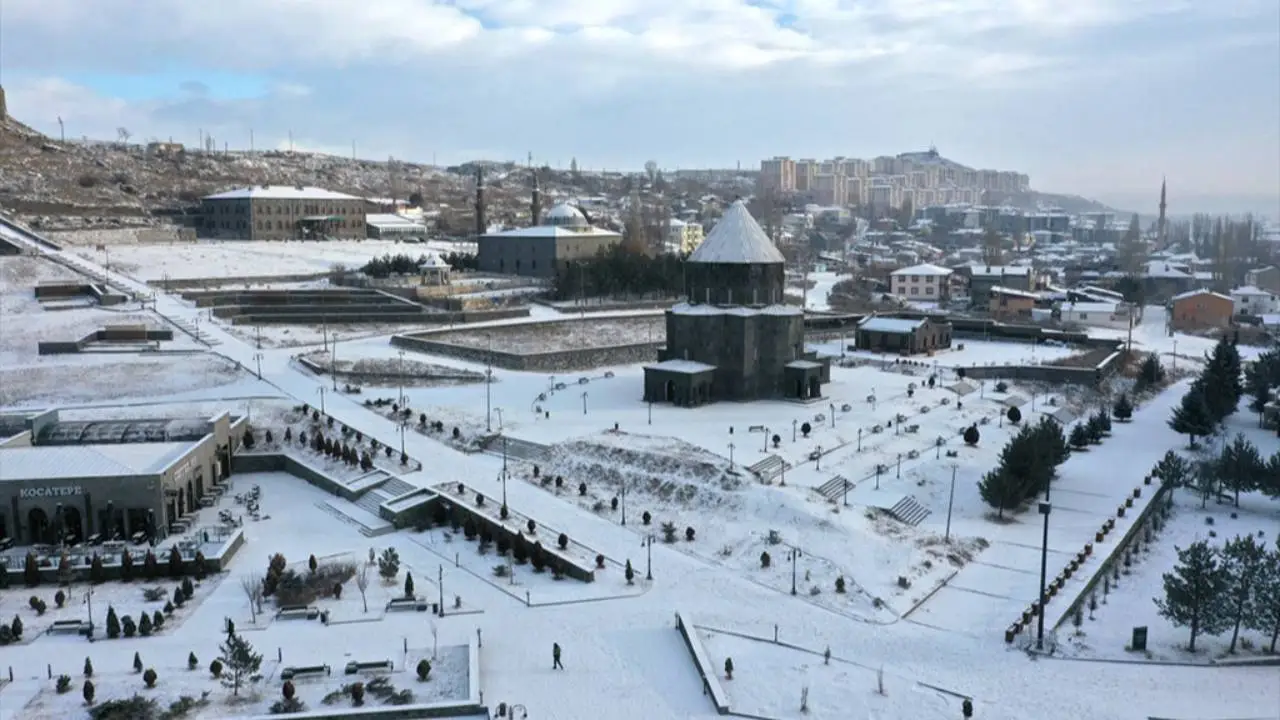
(621, 272)
(1027, 464)
(401, 264)
(1213, 397)
(1214, 589)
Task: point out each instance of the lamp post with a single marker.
(333, 363)
(504, 471)
(322, 389)
(794, 425)
(403, 425)
(257, 357)
(817, 461)
(624, 501)
(795, 555)
(257, 331)
(400, 374)
(650, 412)
(859, 439)
(731, 446)
(197, 328)
(488, 380)
(88, 598)
(766, 441)
(648, 561)
(1044, 508)
(833, 414)
(898, 472)
(584, 402)
(950, 499)
(440, 585)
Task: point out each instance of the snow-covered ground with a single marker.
(622, 652)
(242, 258)
(565, 335)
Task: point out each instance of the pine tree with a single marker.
(1079, 437)
(239, 661)
(1173, 469)
(1220, 381)
(1123, 409)
(113, 623)
(1240, 467)
(1264, 615)
(1000, 490)
(408, 585)
(1195, 592)
(1245, 560)
(1151, 372)
(1192, 418)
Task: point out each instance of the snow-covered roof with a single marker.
(1160, 269)
(564, 214)
(1194, 293)
(390, 220)
(925, 269)
(280, 192)
(53, 462)
(804, 365)
(1002, 290)
(688, 367)
(555, 231)
(1000, 270)
(890, 325)
(705, 309)
(1091, 307)
(1244, 290)
(737, 238)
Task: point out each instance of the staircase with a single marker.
(908, 510)
(189, 328)
(834, 488)
(395, 487)
(381, 528)
(371, 500)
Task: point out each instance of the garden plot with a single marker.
(293, 433)
(207, 697)
(1129, 601)
(777, 681)
(392, 372)
(559, 336)
(290, 336)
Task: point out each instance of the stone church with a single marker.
(735, 338)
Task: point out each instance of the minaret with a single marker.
(481, 225)
(1160, 223)
(535, 211)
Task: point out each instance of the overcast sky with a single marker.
(1096, 97)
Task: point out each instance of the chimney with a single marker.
(481, 225)
(536, 210)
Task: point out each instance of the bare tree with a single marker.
(651, 170)
(362, 584)
(252, 587)
(124, 134)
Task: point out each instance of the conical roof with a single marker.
(737, 239)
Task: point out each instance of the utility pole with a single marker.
(795, 555)
(1044, 509)
(488, 381)
(62, 131)
(950, 500)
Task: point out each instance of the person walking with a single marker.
(555, 657)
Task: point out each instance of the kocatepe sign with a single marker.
(51, 492)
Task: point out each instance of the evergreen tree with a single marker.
(1245, 560)
(1150, 373)
(241, 663)
(1123, 409)
(1093, 429)
(1173, 469)
(1240, 467)
(1000, 490)
(1079, 436)
(113, 623)
(1192, 418)
(1195, 592)
(408, 585)
(1220, 381)
(1264, 615)
(126, 566)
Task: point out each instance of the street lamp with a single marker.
(322, 389)
(400, 373)
(333, 362)
(584, 402)
(258, 358)
(795, 555)
(498, 412)
(88, 598)
(731, 446)
(488, 380)
(898, 472)
(504, 471)
(650, 412)
(1044, 508)
(794, 425)
(403, 424)
(257, 331)
(859, 439)
(197, 328)
(833, 415)
(624, 501)
(817, 461)
(766, 441)
(647, 543)
(950, 499)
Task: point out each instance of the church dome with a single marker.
(565, 214)
(737, 239)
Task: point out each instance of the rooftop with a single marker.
(925, 269)
(57, 462)
(555, 231)
(1250, 290)
(703, 309)
(1014, 292)
(898, 326)
(689, 367)
(737, 239)
(280, 192)
(1000, 270)
(1201, 291)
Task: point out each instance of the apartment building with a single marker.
(778, 175)
(830, 189)
(923, 283)
(274, 212)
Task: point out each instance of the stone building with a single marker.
(565, 235)
(276, 212)
(90, 481)
(734, 338)
(903, 336)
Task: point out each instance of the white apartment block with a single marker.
(921, 283)
(1251, 300)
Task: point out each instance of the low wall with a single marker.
(319, 369)
(710, 681)
(464, 709)
(1061, 374)
(213, 282)
(67, 347)
(553, 361)
(280, 462)
(573, 308)
(213, 562)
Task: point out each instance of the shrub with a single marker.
(646, 518)
(126, 566)
(149, 677)
(168, 607)
(532, 526)
(157, 620)
(97, 574)
(600, 561)
(129, 627)
(287, 690)
(287, 706)
(88, 668)
(137, 662)
(563, 541)
(113, 623)
(503, 512)
(689, 534)
(765, 560)
(629, 573)
(215, 667)
(176, 566)
(840, 587)
(613, 503)
(192, 661)
(144, 625)
(63, 685)
(154, 594)
(728, 668)
(357, 694)
(424, 669)
(971, 435)
(1014, 415)
(31, 570)
(1002, 386)
(88, 693)
(59, 598)
(188, 588)
(87, 180)
(669, 532)
(479, 500)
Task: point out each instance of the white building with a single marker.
(923, 283)
(1096, 314)
(1251, 300)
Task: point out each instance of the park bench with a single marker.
(291, 673)
(354, 667)
(63, 627)
(298, 611)
(406, 603)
